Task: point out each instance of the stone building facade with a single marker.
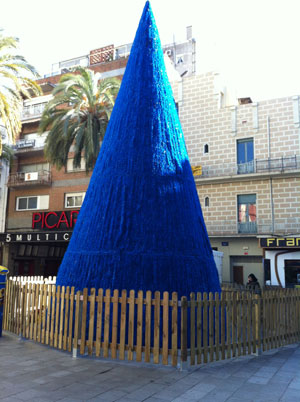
(248, 162)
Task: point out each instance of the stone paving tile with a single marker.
(109, 396)
(34, 372)
(30, 394)
(216, 396)
(255, 379)
(295, 384)
(44, 399)
(124, 399)
(291, 395)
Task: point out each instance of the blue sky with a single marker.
(253, 44)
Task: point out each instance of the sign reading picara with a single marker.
(54, 220)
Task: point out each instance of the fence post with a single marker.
(77, 328)
(183, 340)
(257, 324)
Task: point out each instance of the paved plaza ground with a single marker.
(33, 372)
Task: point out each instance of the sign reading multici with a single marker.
(280, 242)
(35, 237)
(54, 220)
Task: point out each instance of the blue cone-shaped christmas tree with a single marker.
(141, 225)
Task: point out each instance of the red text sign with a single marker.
(54, 220)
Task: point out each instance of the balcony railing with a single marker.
(35, 143)
(278, 164)
(256, 166)
(279, 226)
(33, 111)
(97, 56)
(29, 179)
(245, 168)
(247, 227)
(22, 144)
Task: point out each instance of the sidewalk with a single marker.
(33, 372)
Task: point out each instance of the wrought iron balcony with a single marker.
(247, 227)
(260, 227)
(35, 143)
(29, 179)
(32, 111)
(22, 144)
(257, 166)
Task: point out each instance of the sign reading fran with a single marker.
(280, 242)
(54, 220)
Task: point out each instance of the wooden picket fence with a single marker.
(34, 279)
(145, 327)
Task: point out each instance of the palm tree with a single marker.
(16, 83)
(78, 115)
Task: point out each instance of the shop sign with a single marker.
(35, 237)
(280, 242)
(54, 220)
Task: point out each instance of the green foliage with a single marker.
(16, 83)
(78, 115)
(7, 154)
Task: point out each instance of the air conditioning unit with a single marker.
(31, 176)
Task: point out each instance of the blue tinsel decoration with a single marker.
(141, 225)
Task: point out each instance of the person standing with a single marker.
(253, 284)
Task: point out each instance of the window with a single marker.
(74, 200)
(247, 213)
(206, 149)
(71, 168)
(37, 167)
(245, 156)
(32, 202)
(206, 202)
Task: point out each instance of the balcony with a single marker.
(23, 144)
(32, 143)
(32, 112)
(247, 171)
(29, 179)
(247, 227)
(97, 56)
(260, 227)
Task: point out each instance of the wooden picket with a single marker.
(152, 327)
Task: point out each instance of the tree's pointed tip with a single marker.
(147, 8)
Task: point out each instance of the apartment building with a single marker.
(44, 203)
(246, 159)
(4, 172)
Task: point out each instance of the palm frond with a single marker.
(78, 115)
(16, 80)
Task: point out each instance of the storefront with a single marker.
(39, 251)
(282, 260)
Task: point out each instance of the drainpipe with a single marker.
(272, 204)
(271, 183)
(269, 139)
